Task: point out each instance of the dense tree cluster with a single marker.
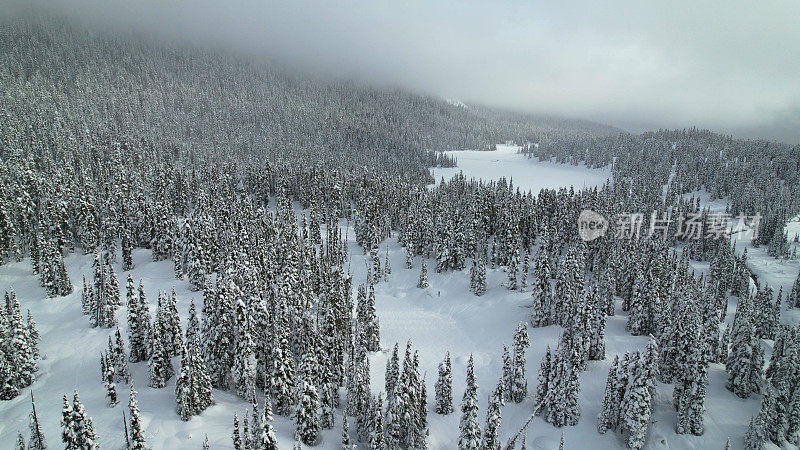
(628, 397)
(19, 348)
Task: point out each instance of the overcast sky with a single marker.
(732, 66)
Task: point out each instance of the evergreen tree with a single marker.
(562, 391)
(243, 371)
(83, 430)
(491, 438)
(307, 417)
(423, 276)
(119, 358)
(33, 336)
(607, 420)
(127, 249)
(236, 436)
(544, 376)
(470, 431)
(345, 434)
(745, 361)
(107, 368)
(519, 388)
(19, 364)
(137, 440)
(160, 365)
(392, 374)
(20, 442)
(266, 439)
(282, 379)
(444, 387)
(793, 300)
(68, 436)
(508, 374)
(756, 435)
(37, 440)
(139, 327)
(376, 438)
(636, 407)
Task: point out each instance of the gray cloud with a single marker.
(729, 66)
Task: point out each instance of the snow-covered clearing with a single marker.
(444, 317)
(525, 173)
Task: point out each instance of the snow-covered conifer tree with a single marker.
(423, 275)
(470, 431)
(444, 387)
(137, 439)
(491, 438)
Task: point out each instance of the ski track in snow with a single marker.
(444, 317)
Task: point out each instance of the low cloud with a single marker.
(732, 67)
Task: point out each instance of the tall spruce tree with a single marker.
(444, 387)
(470, 431)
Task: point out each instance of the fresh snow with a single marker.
(525, 173)
(444, 317)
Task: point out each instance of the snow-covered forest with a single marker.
(198, 250)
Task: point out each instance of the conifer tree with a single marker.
(387, 268)
(392, 374)
(160, 365)
(395, 409)
(139, 325)
(636, 407)
(607, 420)
(137, 439)
(519, 388)
(107, 367)
(243, 371)
(756, 435)
(793, 299)
(68, 436)
(236, 436)
(20, 445)
(524, 270)
(513, 269)
(83, 430)
(562, 391)
(745, 361)
(470, 431)
(508, 374)
(444, 387)
(119, 358)
(127, 249)
(19, 364)
(307, 417)
(423, 276)
(37, 440)
(345, 434)
(282, 378)
(376, 437)
(491, 438)
(544, 376)
(33, 336)
(266, 439)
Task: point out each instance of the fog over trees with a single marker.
(257, 190)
